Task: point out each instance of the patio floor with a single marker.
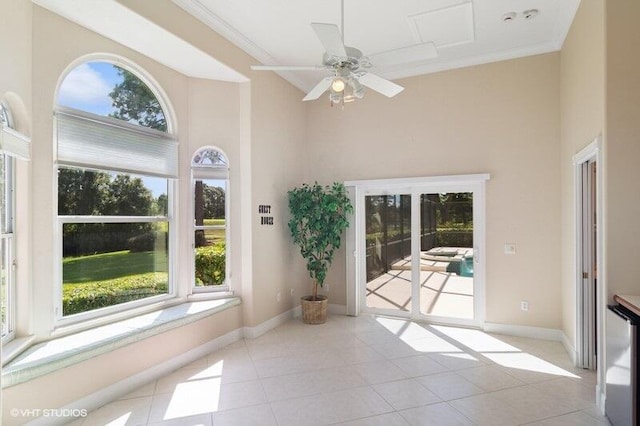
(441, 293)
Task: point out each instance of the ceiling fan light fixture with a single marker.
(338, 85)
(356, 88)
(335, 98)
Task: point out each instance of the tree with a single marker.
(199, 213)
(162, 205)
(214, 202)
(128, 197)
(82, 192)
(135, 102)
(91, 193)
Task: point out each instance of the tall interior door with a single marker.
(419, 250)
(589, 261)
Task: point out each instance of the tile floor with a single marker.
(367, 371)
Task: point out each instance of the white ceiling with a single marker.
(278, 32)
(465, 32)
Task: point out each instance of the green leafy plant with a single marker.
(210, 264)
(318, 219)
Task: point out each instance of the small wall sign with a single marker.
(265, 211)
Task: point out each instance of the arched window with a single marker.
(5, 116)
(210, 171)
(116, 165)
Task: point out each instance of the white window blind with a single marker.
(14, 143)
(107, 143)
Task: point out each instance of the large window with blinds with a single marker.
(116, 165)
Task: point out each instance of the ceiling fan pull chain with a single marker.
(342, 19)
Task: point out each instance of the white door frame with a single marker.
(355, 265)
(592, 152)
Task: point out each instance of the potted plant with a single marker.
(318, 219)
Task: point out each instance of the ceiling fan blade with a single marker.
(319, 89)
(287, 67)
(381, 85)
(331, 39)
(417, 52)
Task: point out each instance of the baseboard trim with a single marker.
(334, 309)
(569, 348)
(600, 399)
(525, 331)
(260, 329)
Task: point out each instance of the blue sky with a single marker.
(87, 88)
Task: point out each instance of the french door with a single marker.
(418, 248)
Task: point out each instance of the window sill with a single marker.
(15, 347)
(209, 295)
(52, 355)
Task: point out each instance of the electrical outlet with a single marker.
(524, 306)
(509, 248)
(291, 292)
(278, 296)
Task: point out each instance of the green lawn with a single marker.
(109, 266)
(214, 236)
(107, 279)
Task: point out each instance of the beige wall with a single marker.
(502, 119)
(582, 120)
(622, 205)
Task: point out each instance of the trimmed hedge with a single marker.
(454, 238)
(210, 265)
(84, 297)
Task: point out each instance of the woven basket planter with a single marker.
(314, 311)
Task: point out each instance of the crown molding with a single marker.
(433, 67)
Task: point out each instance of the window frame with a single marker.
(9, 241)
(61, 320)
(201, 171)
(8, 237)
(134, 307)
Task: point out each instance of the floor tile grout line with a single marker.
(335, 349)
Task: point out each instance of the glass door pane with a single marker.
(446, 255)
(388, 252)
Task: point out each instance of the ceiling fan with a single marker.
(349, 68)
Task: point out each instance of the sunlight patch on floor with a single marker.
(194, 397)
(502, 353)
(405, 329)
(120, 421)
(416, 336)
(525, 361)
(476, 340)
